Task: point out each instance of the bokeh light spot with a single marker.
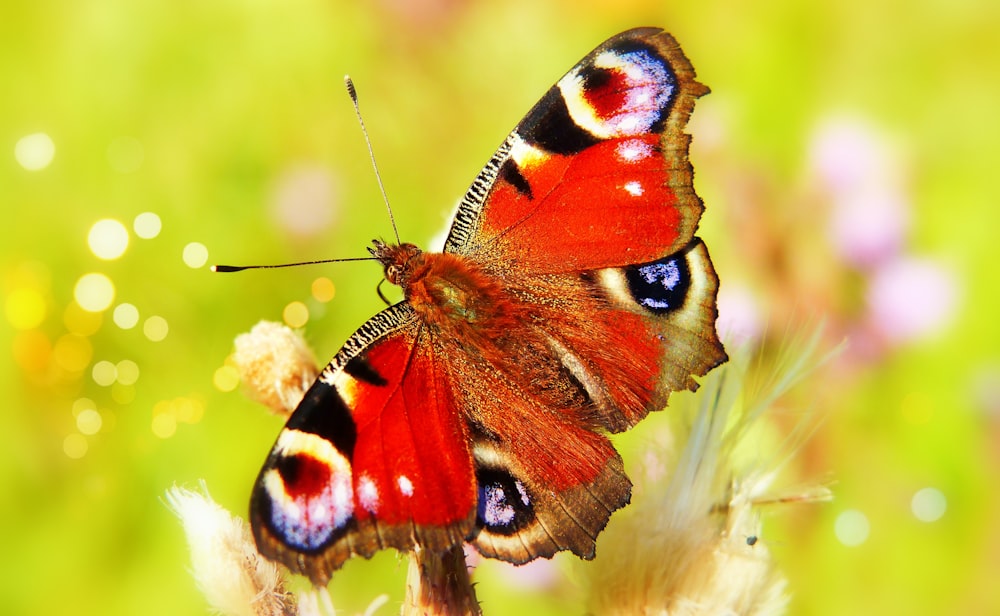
(195, 255)
(108, 239)
(126, 316)
(226, 378)
(82, 404)
(929, 504)
(296, 314)
(104, 373)
(80, 321)
(852, 528)
(164, 425)
(73, 353)
(323, 289)
(35, 152)
(147, 225)
(89, 421)
(75, 446)
(125, 154)
(25, 308)
(94, 292)
(155, 328)
(188, 410)
(127, 371)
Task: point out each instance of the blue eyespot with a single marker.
(660, 286)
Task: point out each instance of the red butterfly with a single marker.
(570, 299)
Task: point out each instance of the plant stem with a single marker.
(438, 584)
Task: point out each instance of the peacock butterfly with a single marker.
(570, 299)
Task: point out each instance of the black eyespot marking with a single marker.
(660, 286)
(360, 369)
(512, 175)
(505, 506)
(549, 126)
(595, 79)
(324, 413)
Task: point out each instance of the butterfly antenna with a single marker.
(240, 268)
(353, 93)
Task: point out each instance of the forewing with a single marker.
(376, 455)
(597, 174)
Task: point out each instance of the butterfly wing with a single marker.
(610, 350)
(547, 481)
(587, 212)
(374, 456)
(597, 174)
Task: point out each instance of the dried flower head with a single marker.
(689, 542)
(234, 577)
(276, 365)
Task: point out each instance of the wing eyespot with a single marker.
(661, 286)
(505, 505)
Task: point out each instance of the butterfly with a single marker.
(570, 299)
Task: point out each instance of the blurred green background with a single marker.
(847, 157)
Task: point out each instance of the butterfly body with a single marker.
(570, 299)
(449, 293)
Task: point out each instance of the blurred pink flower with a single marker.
(538, 574)
(420, 15)
(911, 298)
(739, 314)
(868, 226)
(846, 152)
(870, 212)
(305, 201)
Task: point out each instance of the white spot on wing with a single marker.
(632, 124)
(319, 511)
(634, 188)
(405, 485)
(633, 150)
(368, 494)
